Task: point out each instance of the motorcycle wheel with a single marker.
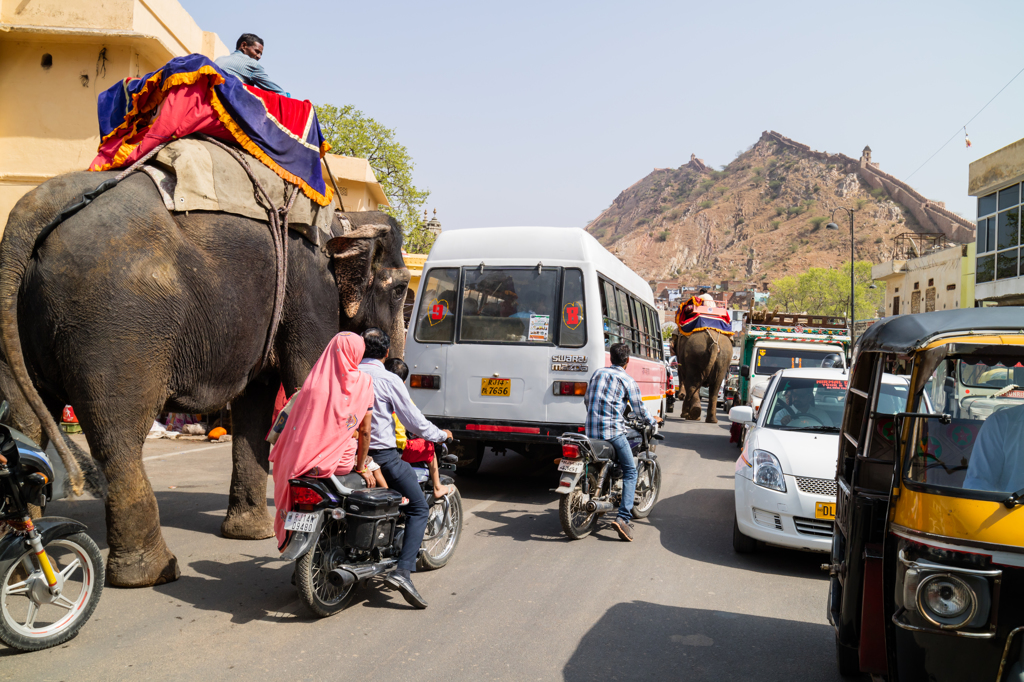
(648, 488)
(577, 522)
(30, 619)
(311, 569)
(440, 540)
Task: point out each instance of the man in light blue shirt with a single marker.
(997, 459)
(390, 396)
(244, 64)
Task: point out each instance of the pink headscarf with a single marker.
(317, 438)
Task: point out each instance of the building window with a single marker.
(931, 282)
(950, 287)
(916, 285)
(999, 237)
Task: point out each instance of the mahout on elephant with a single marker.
(126, 310)
(703, 358)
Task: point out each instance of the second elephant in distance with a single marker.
(703, 358)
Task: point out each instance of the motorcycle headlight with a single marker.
(946, 600)
(768, 471)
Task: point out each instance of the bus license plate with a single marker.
(825, 510)
(303, 523)
(499, 387)
(570, 466)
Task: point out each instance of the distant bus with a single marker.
(509, 327)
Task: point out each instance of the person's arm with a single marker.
(363, 448)
(410, 415)
(258, 77)
(636, 401)
(985, 468)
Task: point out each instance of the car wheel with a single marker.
(740, 542)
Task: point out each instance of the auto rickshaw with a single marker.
(927, 564)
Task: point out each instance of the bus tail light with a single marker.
(570, 451)
(425, 381)
(569, 388)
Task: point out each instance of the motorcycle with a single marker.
(51, 571)
(590, 481)
(342, 534)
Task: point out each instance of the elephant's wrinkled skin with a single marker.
(703, 358)
(127, 311)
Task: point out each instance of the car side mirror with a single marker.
(745, 371)
(742, 414)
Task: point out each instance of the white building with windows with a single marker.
(996, 180)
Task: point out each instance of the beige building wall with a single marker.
(358, 188)
(932, 282)
(56, 57)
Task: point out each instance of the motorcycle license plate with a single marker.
(825, 510)
(570, 466)
(498, 387)
(303, 523)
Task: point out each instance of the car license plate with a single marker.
(303, 523)
(499, 387)
(570, 466)
(825, 510)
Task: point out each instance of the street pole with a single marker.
(832, 226)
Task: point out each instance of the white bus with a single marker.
(509, 327)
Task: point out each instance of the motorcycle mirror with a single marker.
(5, 411)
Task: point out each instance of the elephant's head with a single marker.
(371, 275)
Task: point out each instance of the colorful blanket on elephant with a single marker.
(192, 95)
(693, 318)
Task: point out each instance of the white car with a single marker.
(786, 473)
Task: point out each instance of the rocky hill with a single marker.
(764, 215)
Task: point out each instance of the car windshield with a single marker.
(807, 404)
(510, 305)
(975, 441)
(768, 361)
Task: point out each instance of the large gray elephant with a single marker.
(703, 358)
(126, 310)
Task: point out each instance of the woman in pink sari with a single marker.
(318, 438)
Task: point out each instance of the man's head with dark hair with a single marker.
(250, 44)
(378, 343)
(397, 366)
(620, 354)
(704, 290)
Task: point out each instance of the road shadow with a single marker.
(509, 477)
(523, 525)
(714, 446)
(697, 525)
(644, 641)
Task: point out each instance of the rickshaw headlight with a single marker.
(947, 598)
(768, 471)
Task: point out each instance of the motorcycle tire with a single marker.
(311, 570)
(642, 507)
(569, 509)
(436, 554)
(78, 561)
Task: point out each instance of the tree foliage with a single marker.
(351, 133)
(826, 291)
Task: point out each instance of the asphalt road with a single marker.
(517, 602)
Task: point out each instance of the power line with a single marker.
(964, 126)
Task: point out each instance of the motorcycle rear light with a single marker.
(305, 496)
(569, 388)
(564, 483)
(571, 451)
(425, 381)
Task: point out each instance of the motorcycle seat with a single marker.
(353, 480)
(603, 450)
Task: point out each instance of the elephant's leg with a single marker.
(712, 416)
(691, 403)
(248, 517)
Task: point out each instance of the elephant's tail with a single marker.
(27, 221)
(712, 356)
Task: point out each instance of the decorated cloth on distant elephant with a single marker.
(694, 316)
(190, 95)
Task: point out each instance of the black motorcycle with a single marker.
(342, 534)
(591, 478)
(51, 572)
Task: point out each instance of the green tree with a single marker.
(351, 133)
(826, 291)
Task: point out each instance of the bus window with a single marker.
(611, 324)
(509, 305)
(574, 329)
(641, 327)
(629, 336)
(435, 322)
(656, 333)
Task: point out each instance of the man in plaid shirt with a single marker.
(610, 390)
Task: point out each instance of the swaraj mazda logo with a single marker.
(569, 363)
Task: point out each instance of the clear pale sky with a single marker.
(540, 113)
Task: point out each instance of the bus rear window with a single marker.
(573, 333)
(510, 305)
(435, 322)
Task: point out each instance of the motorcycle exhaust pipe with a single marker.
(341, 578)
(596, 506)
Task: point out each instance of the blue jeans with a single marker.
(625, 456)
(402, 478)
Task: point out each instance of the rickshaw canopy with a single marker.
(904, 334)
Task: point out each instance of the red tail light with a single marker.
(425, 381)
(569, 388)
(570, 451)
(306, 496)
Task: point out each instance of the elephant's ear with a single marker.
(353, 256)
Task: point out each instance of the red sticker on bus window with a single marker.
(571, 317)
(438, 311)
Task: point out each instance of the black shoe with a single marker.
(624, 527)
(408, 590)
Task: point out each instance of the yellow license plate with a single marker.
(499, 387)
(825, 510)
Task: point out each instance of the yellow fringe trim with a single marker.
(700, 329)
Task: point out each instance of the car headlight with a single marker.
(768, 471)
(946, 600)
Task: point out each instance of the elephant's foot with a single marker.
(249, 524)
(712, 418)
(694, 414)
(142, 568)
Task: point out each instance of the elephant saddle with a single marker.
(693, 316)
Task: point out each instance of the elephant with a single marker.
(126, 310)
(703, 358)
